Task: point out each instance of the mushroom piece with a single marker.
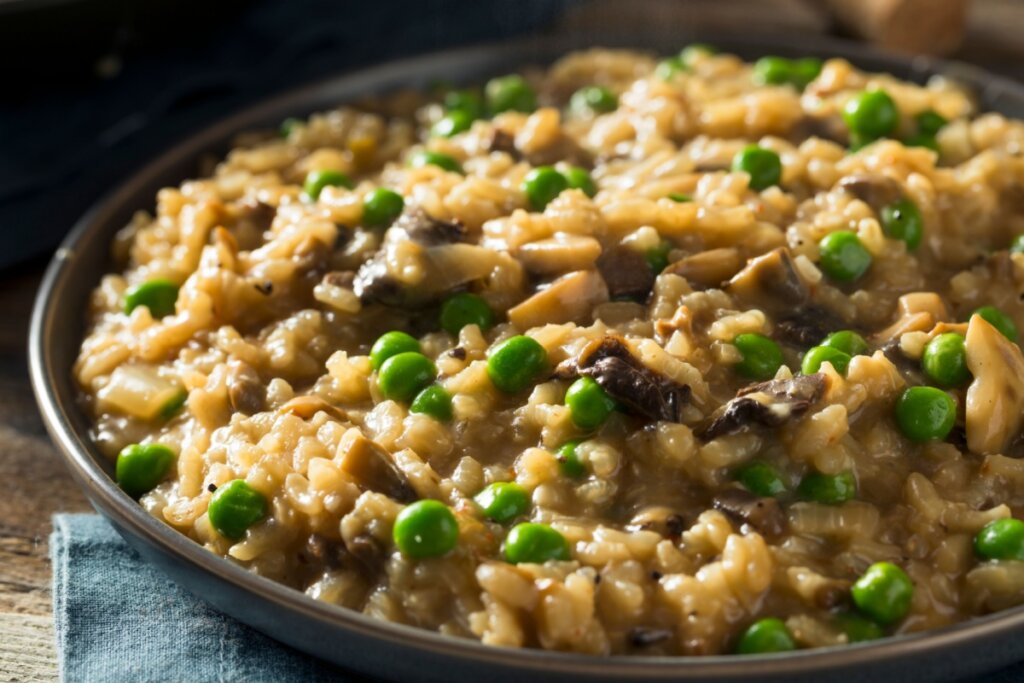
(764, 515)
(570, 298)
(624, 377)
(643, 636)
(770, 282)
(659, 519)
(374, 469)
(874, 189)
(767, 404)
(626, 272)
(808, 326)
(420, 261)
(708, 269)
(306, 407)
(246, 392)
(995, 398)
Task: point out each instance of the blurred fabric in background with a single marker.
(96, 87)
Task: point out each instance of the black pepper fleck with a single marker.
(265, 288)
(656, 575)
(211, 488)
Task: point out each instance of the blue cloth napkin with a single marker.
(118, 619)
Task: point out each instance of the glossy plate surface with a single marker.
(402, 653)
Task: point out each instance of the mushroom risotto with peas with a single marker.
(625, 356)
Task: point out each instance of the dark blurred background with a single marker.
(92, 88)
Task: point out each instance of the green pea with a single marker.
(464, 309)
(762, 165)
(843, 257)
(140, 467)
(235, 507)
(657, 257)
(454, 122)
(689, 55)
(816, 355)
(847, 341)
(679, 197)
(316, 181)
(593, 98)
(159, 295)
(923, 140)
(579, 179)
(588, 403)
(467, 101)
(510, 93)
(925, 413)
(883, 592)
(761, 478)
(761, 357)
(773, 71)
(766, 635)
(569, 460)
(902, 221)
(514, 364)
(289, 126)
(391, 344)
(1017, 246)
(424, 158)
(382, 206)
(930, 122)
(858, 629)
(667, 69)
(175, 403)
(404, 375)
(426, 528)
(871, 114)
(830, 489)
(945, 360)
(543, 184)
(1001, 539)
(806, 70)
(535, 543)
(998, 320)
(434, 401)
(503, 501)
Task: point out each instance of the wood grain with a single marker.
(33, 486)
(33, 482)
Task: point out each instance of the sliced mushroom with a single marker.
(570, 298)
(874, 189)
(995, 398)
(306, 407)
(364, 552)
(246, 392)
(770, 282)
(659, 519)
(374, 469)
(501, 140)
(626, 272)
(708, 269)
(824, 127)
(611, 363)
(808, 326)
(768, 404)
(420, 261)
(642, 636)
(764, 515)
(559, 254)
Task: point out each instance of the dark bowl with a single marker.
(394, 651)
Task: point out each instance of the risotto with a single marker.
(618, 357)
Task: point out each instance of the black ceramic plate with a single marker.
(399, 652)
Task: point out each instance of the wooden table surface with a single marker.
(33, 482)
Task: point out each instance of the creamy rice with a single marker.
(669, 554)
